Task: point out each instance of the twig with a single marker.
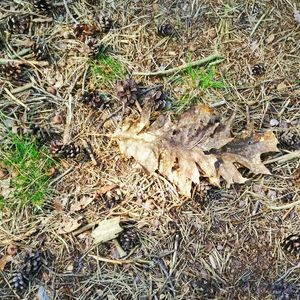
(282, 207)
(167, 274)
(12, 97)
(122, 261)
(195, 63)
(284, 158)
(4, 61)
(257, 24)
(109, 117)
(22, 88)
(66, 137)
(62, 175)
(22, 52)
(174, 258)
(68, 12)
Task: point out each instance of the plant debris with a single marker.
(197, 144)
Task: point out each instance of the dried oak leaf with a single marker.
(197, 144)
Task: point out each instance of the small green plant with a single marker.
(28, 165)
(106, 68)
(196, 79)
(203, 78)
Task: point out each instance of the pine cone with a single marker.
(70, 150)
(127, 91)
(291, 244)
(258, 70)
(42, 5)
(32, 263)
(28, 267)
(94, 99)
(112, 198)
(203, 288)
(39, 50)
(94, 47)
(285, 290)
(18, 281)
(165, 30)
(106, 23)
(17, 24)
(83, 31)
(158, 98)
(128, 239)
(11, 71)
(56, 146)
(290, 139)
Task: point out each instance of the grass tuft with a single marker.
(107, 69)
(28, 165)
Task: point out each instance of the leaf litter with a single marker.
(197, 144)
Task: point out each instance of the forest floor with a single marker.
(59, 70)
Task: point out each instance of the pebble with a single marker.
(274, 122)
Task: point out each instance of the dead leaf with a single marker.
(106, 188)
(198, 144)
(81, 204)
(4, 260)
(68, 224)
(107, 230)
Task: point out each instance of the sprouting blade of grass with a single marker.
(107, 69)
(29, 164)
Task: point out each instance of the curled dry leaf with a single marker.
(4, 260)
(197, 144)
(68, 225)
(81, 204)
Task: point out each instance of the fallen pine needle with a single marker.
(121, 261)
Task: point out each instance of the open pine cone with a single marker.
(42, 5)
(127, 91)
(83, 31)
(11, 71)
(17, 24)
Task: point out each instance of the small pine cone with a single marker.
(94, 99)
(18, 281)
(290, 139)
(158, 99)
(17, 24)
(128, 239)
(42, 5)
(39, 51)
(56, 146)
(127, 91)
(32, 263)
(106, 23)
(11, 71)
(70, 150)
(203, 288)
(165, 30)
(291, 244)
(83, 31)
(112, 198)
(94, 47)
(258, 70)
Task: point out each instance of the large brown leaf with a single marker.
(198, 144)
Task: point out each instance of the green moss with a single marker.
(29, 164)
(107, 69)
